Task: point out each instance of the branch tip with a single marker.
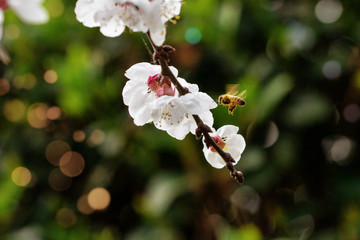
(239, 177)
(168, 49)
(198, 133)
(163, 52)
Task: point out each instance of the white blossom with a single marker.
(229, 141)
(139, 15)
(152, 98)
(29, 11)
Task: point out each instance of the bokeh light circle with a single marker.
(352, 113)
(193, 35)
(65, 217)
(99, 198)
(53, 113)
(21, 176)
(79, 136)
(55, 150)
(36, 115)
(331, 69)
(96, 138)
(71, 164)
(83, 206)
(328, 11)
(14, 110)
(58, 181)
(4, 86)
(50, 76)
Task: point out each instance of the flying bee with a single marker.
(231, 98)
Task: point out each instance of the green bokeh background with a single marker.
(301, 125)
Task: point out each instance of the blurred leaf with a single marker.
(273, 93)
(162, 191)
(307, 109)
(246, 232)
(77, 84)
(252, 159)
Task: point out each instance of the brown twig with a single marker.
(162, 56)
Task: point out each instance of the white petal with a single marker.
(137, 102)
(157, 34)
(193, 88)
(161, 102)
(227, 130)
(213, 158)
(142, 71)
(138, 109)
(112, 27)
(170, 9)
(127, 92)
(152, 18)
(205, 101)
(236, 142)
(145, 69)
(167, 116)
(178, 132)
(136, 96)
(85, 10)
(197, 103)
(140, 115)
(30, 11)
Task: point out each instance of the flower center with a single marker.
(160, 85)
(3, 4)
(219, 141)
(126, 4)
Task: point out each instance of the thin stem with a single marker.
(165, 70)
(162, 57)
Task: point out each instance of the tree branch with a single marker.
(162, 56)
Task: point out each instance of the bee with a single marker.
(231, 98)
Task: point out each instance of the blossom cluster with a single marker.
(112, 16)
(153, 98)
(151, 95)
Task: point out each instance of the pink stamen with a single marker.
(125, 4)
(3, 4)
(160, 85)
(218, 140)
(153, 82)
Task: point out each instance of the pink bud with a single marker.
(161, 85)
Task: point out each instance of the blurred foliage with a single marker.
(299, 62)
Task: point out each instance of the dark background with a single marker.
(299, 62)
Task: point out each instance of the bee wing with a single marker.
(232, 89)
(242, 94)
